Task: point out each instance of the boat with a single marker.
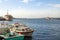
(8, 17)
(48, 18)
(22, 29)
(7, 34)
(14, 37)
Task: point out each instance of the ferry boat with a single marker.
(48, 18)
(22, 29)
(7, 34)
(8, 17)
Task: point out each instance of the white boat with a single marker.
(8, 17)
(22, 29)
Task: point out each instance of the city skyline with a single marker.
(30, 8)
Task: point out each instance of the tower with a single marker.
(7, 12)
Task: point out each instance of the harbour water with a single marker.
(44, 29)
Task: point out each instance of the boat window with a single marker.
(23, 30)
(18, 29)
(27, 29)
(16, 26)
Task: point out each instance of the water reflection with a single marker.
(27, 38)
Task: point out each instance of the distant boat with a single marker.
(48, 18)
(8, 17)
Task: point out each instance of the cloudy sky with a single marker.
(30, 8)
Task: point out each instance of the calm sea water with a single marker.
(44, 29)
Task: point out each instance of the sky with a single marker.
(30, 8)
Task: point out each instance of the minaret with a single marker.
(7, 12)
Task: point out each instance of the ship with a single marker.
(22, 29)
(48, 18)
(8, 17)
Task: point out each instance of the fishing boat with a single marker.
(22, 29)
(14, 37)
(7, 34)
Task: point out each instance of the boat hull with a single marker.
(26, 33)
(8, 19)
